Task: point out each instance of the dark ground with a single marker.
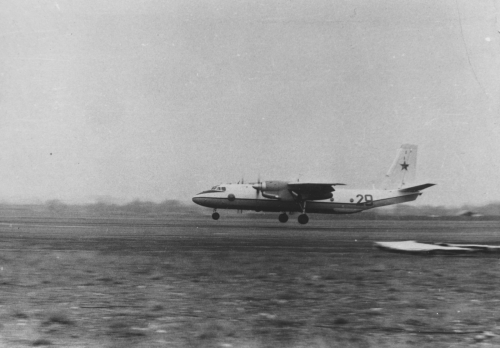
(192, 282)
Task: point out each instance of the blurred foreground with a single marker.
(193, 282)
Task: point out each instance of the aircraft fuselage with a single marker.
(343, 201)
(315, 197)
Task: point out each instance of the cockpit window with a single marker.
(218, 188)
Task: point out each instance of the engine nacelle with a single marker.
(269, 195)
(271, 185)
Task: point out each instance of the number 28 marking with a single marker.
(368, 200)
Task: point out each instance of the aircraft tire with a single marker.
(215, 216)
(283, 218)
(303, 219)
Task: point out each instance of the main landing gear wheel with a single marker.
(215, 216)
(303, 219)
(283, 217)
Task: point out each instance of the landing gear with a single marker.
(215, 215)
(303, 219)
(283, 217)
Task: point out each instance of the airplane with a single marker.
(313, 197)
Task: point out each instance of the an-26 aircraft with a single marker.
(311, 197)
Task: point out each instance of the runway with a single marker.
(187, 281)
(201, 233)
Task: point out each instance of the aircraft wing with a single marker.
(300, 187)
(312, 191)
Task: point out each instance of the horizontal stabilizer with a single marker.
(416, 188)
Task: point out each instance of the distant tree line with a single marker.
(136, 207)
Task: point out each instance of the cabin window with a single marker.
(223, 188)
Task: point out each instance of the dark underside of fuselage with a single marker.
(279, 206)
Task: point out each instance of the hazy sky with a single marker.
(161, 99)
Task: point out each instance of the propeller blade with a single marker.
(257, 187)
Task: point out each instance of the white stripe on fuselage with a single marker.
(345, 201)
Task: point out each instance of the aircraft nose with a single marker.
(197, 199)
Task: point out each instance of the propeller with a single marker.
(261, 187)
(257, 187)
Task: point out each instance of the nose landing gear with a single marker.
(215, 215)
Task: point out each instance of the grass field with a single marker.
(181, 282)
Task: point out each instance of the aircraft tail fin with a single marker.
(403, 170)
